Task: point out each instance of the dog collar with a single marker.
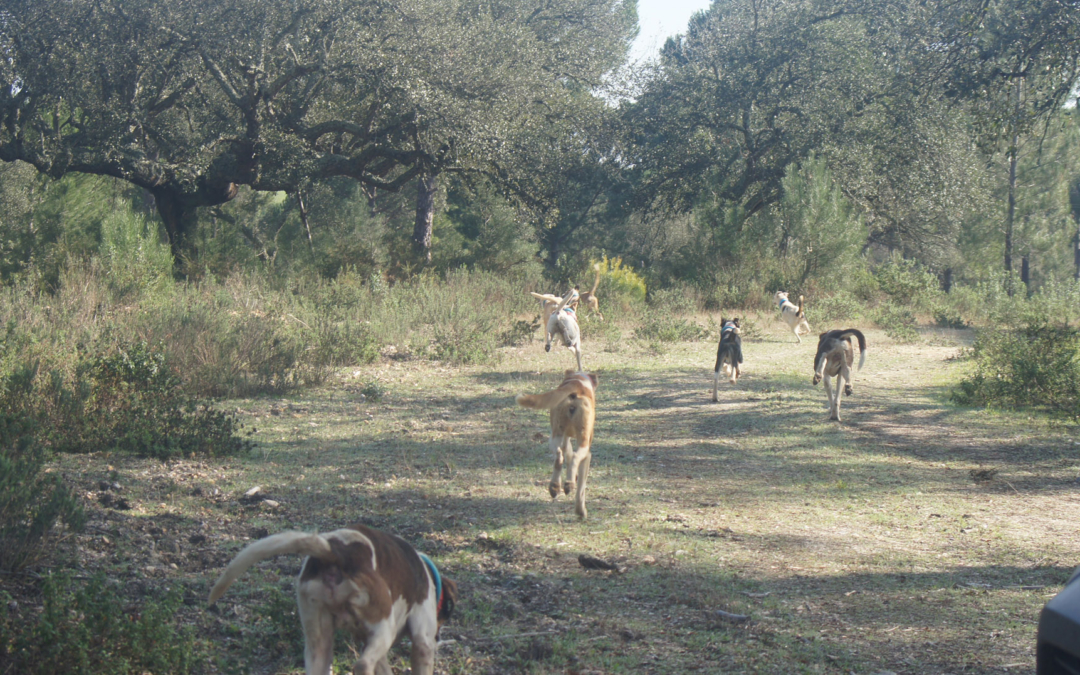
(438, 581)
(782, 303)
(569, 309)
(727, 327)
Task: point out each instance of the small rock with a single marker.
(270, 503)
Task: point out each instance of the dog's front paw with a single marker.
(569, 486)
(553, 489)
(847, 390)
(547, 348)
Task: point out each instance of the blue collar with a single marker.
(727, 327)
(569, 309)
(782, 303)
(438, 581)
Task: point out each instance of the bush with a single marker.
(898, 322)
(31, 502)
(92, 630)
(907, 282)
(662, 327)
(1037, 365)
(126, 401)
(834, 310)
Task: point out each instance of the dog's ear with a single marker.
(569, 372)
(449, 600)
(736, 322)
(595, 381)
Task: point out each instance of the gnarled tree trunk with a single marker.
(426, 188)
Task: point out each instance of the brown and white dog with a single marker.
(588, 298)
(560, 318)
(834, 358)
(728, 354)
(368, 582)
(793, 314)
(573, 414)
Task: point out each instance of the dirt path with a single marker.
(916, 537)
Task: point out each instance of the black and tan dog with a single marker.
(370, 583)
(728, 354)
(573, 414)
(834, 358)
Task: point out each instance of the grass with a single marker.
(854, 548)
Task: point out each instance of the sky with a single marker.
(660, 19)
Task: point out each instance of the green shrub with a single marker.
(947, 317)
(91, 630)
(830, 312)
(898, 322)
(1036, 365)
(126, 401)
(662, 327)
(907, 282)
(621, 289)
(31, 502)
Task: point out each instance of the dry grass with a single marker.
(860, 548)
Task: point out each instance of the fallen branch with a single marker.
(734, 618)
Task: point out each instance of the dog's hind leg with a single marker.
(716, 383)
(571, 466)
(829, 394)
(577, 353)
(582, 459)
(423, 651)
(318, 625)
(379, 641)
(556, 443)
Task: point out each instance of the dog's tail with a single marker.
(574, 385)
(302, 543)
(862, 343)
(799, 310)
(596, 284)
(567, 299)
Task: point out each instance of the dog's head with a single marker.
(780, 297)
(449, 599)
(570, 372)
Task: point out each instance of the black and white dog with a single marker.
(834, 358)
(728, 353)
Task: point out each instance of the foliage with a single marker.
(31, 500)
(836, 309)
(1035, 365)
(908, 282)
(160, 85)
(898, 322)
(91, 629)
(127, 401)
(620, 286)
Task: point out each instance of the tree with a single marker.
(192, 100)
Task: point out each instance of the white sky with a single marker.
(660, 19)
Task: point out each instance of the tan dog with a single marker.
(793, 314)
(371, 583)
(560, 318)
(588, 298)
(573, 414)
(834, 358)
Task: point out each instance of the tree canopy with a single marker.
(192, 100)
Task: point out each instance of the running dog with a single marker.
(560, 317)
(834, 358)
(728, 354)
(371, 583)
(573, 414)
(793, 314)
(588, 298)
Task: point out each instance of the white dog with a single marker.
(560, 317)
(793, 314)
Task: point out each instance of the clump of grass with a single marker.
(31, 501)
(91, 628)
(1035, 365)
